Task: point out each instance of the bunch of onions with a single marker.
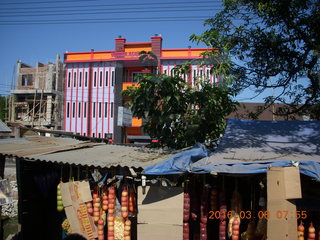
(311, 232)
(235, 229)
(100, 229)
(59, 199)
(96, 207)
(127, 230)
(124, 202)
(105, 201)
(301, 231)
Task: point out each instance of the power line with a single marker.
(63, 1)
(85, 12)
(110, 5)
(106, 20)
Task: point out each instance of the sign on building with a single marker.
(124, 117)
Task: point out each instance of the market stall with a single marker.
(260, 183)
(67, 186)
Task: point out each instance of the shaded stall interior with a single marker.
(306, 208)
(37, 189)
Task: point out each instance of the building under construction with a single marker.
(37, 99)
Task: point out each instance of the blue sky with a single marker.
(41, 42)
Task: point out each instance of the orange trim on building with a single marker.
(136, 122)
(125, 85)
(102, 56)
(137, 47)
(77, 57)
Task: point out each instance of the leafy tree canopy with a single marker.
(274, 45)
(176, 114)
(2, 108)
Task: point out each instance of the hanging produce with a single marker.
(124, 202)
(132, 200)
(204, 214)
(301, 231)
(59, 199)
(311, 232)
(214, 199)
(111, 200)
(186, 207)
(105, 201)
(223, 216)
(186, 212)
(96, 208)
(89, 207)
(235, 209)
(100, 229)
(235, 229)
(111, 210)
(186, 231)
(127, 230)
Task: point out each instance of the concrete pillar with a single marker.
(49, 109)
(117, 131)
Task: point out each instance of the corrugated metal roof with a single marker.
(4, 128)
(71, 151)
(247, 141)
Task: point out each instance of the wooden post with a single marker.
(34, 103)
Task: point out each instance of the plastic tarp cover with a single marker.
(178, 163)
(309, 168)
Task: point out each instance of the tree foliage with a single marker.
(2, 108)
(176, 114)
(274, 45)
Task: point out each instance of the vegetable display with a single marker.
(235, 229)
(301, 231)
(96, 208)
(100, 229)
(127, 230)
(105, 201)
(186, 214)
(124, 202)
(223, 216)
(59, 199)
(311, 232)
(204, 214)
(132, 201)
(111, 209)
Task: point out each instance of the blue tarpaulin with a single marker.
(251, 147)
(178, 163)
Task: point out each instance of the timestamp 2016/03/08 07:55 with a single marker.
(263, 214)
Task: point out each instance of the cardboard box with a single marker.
(283, 183)
(74, 195)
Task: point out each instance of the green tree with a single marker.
(2, 107)
(176, 114)
(148, 59)
(274, 45)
